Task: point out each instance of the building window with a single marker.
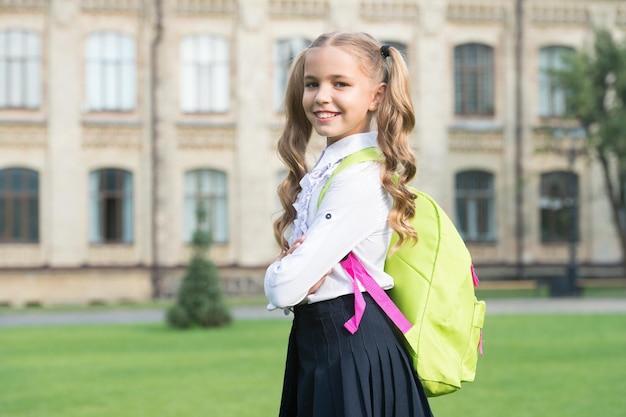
(204, 74)
(19, 206)
(20, 70)
(285, 51)
(475, 205)
(559, 195)
(473, 80)
(206, 189)
(111, 206)
(110, 82)
(552, 96)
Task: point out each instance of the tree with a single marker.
(199, 301)
(595, 82)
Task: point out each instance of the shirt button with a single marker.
(328, 216)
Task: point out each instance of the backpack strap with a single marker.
(357, 272)
(364, 155)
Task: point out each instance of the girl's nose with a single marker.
(323, 95)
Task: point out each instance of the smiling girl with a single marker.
(338, 86)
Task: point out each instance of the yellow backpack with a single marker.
(434, 302)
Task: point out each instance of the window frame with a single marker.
(205, 79)
(111, 205)
(552, 98)
(25, 197)
(20, 69)
(474, 82)
(557, 206)
(111, 72)
(214, 195)
(475, 206)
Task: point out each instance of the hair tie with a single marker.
(384, 51)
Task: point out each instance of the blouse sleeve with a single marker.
(354, 207)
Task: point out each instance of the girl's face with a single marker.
(339, 97)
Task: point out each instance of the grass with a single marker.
(141, 370)
(534, 366)
(548, 365)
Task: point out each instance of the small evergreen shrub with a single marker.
(177, 317)
(199, 300)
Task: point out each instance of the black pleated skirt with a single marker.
(331, 373)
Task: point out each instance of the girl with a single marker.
(336, 87)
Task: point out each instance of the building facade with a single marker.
(119, 118)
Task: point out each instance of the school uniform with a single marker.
(330, 372)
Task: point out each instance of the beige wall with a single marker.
(64, 142)
(74, 286)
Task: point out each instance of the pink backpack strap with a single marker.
(355, 269)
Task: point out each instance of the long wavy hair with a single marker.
(395, 120)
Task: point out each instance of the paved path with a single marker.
(494, 307)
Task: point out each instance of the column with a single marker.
(65, 177)
(252, 234)
(433, 103)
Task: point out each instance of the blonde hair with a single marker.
(395, 120)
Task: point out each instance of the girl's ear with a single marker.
(379, 95)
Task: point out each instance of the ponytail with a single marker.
(395, 120)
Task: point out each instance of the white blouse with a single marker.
(353, 216)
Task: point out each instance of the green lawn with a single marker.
(534, 366)
(546, 366)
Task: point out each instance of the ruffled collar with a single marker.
(331, 157)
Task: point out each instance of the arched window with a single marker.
(110, 82)
(552, 96)
(473, 80)
(475, 205)
(206, 189)
(111, 206)
(20, 69)
(285, 51)
(204, 74)
(19, 206)
(559, 196)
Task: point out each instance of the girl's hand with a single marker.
(295, 246)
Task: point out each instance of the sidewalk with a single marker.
(494, 307)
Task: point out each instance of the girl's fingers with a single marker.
(295, 245)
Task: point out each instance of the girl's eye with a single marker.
(341, 84)
(310, 84)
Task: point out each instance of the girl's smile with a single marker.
(325, 115)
